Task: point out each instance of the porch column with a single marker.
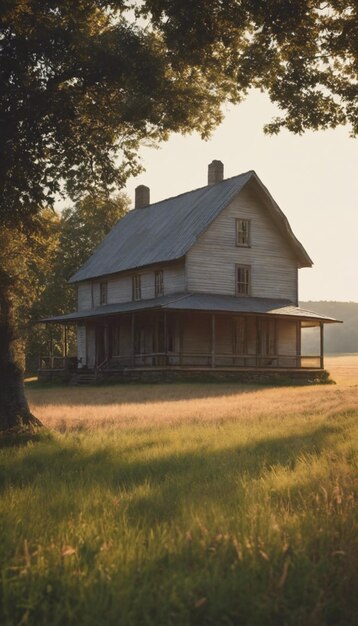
(165, 340)
(51, 347)
(65, 341)
(213, 340)
(321, 327)
(258, 342)
(298, 343)
(132, 340)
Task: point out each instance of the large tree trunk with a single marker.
(15, 414)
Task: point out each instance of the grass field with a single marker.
(184, 504)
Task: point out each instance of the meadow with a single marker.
(184, 504)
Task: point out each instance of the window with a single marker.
(159, 283)
(136, 287)
(103, 293)
(243, 273)
(243, 232)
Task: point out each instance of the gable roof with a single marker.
(165, 231)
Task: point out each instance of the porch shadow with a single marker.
(138, 393)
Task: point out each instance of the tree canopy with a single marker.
(85, 83)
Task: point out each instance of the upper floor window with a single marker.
(136, 287)
(242, 232)
(159, 283)
(243, 280)
(103, 293)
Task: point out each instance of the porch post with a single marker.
(51, 347)
(181, 325)
(298, 343)
(165, 340)
(65, 341)
(321, 344)
(132, 340)
(213, 340)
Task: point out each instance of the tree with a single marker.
(26, 262)
(81, 228)
(303, 53)
(83, 85)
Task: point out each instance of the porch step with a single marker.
(87, 378)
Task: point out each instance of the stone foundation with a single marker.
(285, 377)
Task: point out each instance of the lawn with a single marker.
(184, 504)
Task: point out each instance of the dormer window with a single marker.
(243, 232)
(136, 287)
(159, 283)
(243, 280)
(102, 293)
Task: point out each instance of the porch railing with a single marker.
(207, 359)
(190, 359)
(57, 362)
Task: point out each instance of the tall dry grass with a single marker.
(183, 505)
(153, 406)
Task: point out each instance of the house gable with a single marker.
(212, 261)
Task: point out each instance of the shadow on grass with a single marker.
(22, 439)
(172, 480)
(135, 393)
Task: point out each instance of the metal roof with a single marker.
(198, 302)
(166, 230)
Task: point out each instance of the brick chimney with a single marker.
(215, 172)
(142, 194)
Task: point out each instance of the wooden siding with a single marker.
(287, 337)
(119, 289)
(84, 296)
(81, 345)
(210, 264)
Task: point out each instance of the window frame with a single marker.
(247, 293)
(136, 287)
(240, 244)
(159, 283)
(103, 293)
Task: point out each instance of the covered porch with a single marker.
(197, 332)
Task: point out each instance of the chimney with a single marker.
(215, 172)
(141, 196)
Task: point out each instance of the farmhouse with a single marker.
(205, 281)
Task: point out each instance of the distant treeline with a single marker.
(338, 338)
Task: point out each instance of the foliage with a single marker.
(81, 86)
(28, 260)
(303, 53)
(81, 228)
(221, 506)
(84, 83)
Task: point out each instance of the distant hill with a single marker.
(338, 338)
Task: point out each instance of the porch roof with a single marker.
(197, 302)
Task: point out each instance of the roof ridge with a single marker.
(184, 193)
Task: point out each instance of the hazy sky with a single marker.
(313, 178)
